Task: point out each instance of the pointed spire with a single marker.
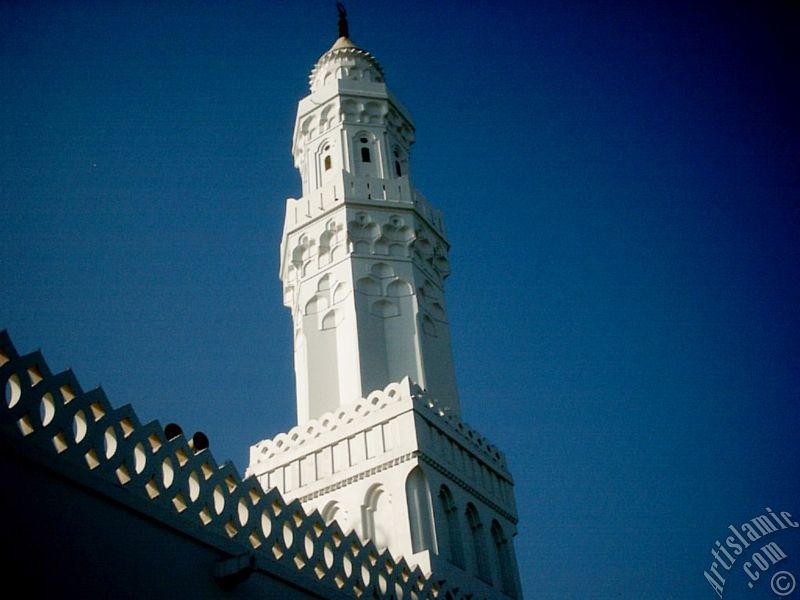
(344, 29)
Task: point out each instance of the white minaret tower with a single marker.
(379, 447)
(363, 255)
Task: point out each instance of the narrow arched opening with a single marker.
(376, 517)
(420, 512)
(455, 550)
(477, 543)
(504, 559)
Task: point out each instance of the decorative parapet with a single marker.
(50, 416)
(331, 421)
(466, 433)
(268, 451)
(380, 193)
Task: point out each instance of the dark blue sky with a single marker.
(620, 186)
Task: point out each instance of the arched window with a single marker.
(399, 162)
(478, 547)
(420, 514)
(365, 155)
(327, 161)
(330, 512)
(455, 551)
(504, 558)
(334, 512)
(376, 516)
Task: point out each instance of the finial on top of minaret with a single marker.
(344, 30)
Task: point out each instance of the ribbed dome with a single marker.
(345, 61)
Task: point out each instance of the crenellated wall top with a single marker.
(404, 391)
(50, 417)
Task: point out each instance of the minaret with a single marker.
(363, 254)
(379, 447)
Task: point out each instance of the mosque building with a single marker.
(380, 491)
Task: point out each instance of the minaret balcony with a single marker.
(344, 188)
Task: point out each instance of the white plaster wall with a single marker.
(364, 284)
(318, 289)
(341, 459)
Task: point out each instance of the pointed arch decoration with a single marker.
(420, 512)
(504, 558)
(330, 512)
(477, 543)
(376, 519)
(455, 549)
